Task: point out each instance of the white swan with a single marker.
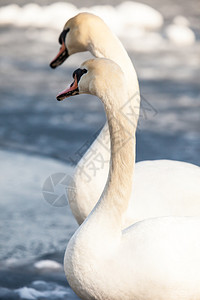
(153, 259)
(173, 185)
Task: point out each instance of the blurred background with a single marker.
(39, 136)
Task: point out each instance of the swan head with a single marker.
(100, 77)
(76, 36)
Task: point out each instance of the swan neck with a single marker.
(107, 45)
(120, 180)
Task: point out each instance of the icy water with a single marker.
(39, 136)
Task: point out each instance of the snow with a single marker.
(31, 225)
(139, 15)
(131, 21)
(29, 293)
(55, 15)
(179, 33)
(48, 264)
(26, 174)
(39, 289)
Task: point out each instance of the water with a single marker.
(39, 136)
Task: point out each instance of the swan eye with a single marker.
(62, 36)
(79, 73)
(83, 71)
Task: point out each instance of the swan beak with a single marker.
(60, 57)
(70, 91)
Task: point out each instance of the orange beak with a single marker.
(60, 57)
(70, 91)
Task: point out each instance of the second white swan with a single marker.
(174, 186)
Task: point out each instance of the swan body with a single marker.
(160, 188)
(156, 258)
(172, 186)
(153, 259)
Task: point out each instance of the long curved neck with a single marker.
(110, 209)
(120, 181)
(106, 44)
